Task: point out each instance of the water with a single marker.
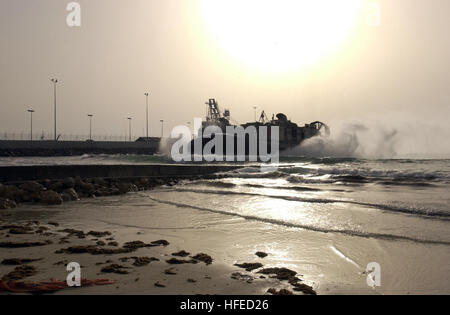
(327, 218)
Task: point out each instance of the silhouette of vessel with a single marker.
(289, 133)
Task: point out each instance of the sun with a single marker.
(279, 35)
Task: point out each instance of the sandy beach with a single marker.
(39, 241)
(319, 223)
(320, 228)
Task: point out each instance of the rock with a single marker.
(203, 257)
(143, 182)
(114, 268)
(24, 244)
(261, 254)
(249, 266)
(65, 197)
(68, 182)
(11, 192)
(306, 289)
(175, 261)
(160, 243)
(181, 254)
(137, 244)
(191, 280)
(114, 244)
(281, 273)
(70, 195)
(88, 189)
(170, 271)
(127, 187)
(294, 280)
(19, 273)
(72, 232)
(101, 243)
(93, 250)
(274, 291)
(57, 187)
(51, 197)
(242, 277)
(46, 183)
(18, 261)
(53, 223)
(99, 234)
(159, 285)
(21, 230)
(143, 261)
(7, 204)
(32, 187)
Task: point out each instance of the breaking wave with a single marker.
(357, 172)
(435, 213)
(389, 237)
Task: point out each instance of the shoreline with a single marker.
(54, 185)
(36, 252)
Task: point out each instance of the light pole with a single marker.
(129, 127)
(55, 81)
(254, 107)
(162, 128)
(31, 127)
(146, 116)
(90, 126)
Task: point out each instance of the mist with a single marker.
(378, 141)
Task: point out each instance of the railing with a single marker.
(62, 137)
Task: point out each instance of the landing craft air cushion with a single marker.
(253, 140)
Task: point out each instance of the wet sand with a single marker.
(144, 270)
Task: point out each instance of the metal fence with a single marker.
(62, 137)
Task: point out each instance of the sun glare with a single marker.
(279, 35)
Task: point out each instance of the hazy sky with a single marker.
(184, 52)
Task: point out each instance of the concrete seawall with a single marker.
(67, 148)
(24, 173)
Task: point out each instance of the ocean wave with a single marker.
(214, 183)
(254, 172)
(433, 213)
(355, 233)
(326, 175)
(318, 160)
(382, 174)
(310, 180)
(296, 188)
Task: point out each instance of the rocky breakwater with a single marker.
(56, 192)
